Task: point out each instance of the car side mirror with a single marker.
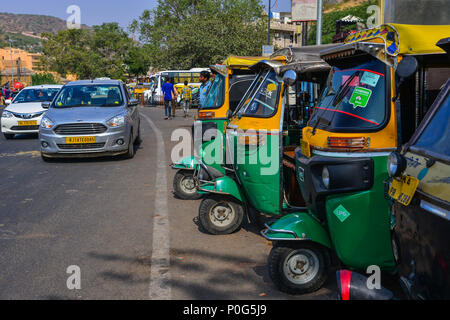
(45, 105)
(290, 77)
(133, 103)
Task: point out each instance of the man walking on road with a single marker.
(169, 94)
(186, 98)
(204, 88)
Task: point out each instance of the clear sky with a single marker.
(95, 12)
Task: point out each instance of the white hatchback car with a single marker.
(25, 112)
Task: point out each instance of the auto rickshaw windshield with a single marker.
(216, 95)
(355, 100)
(263, 102)
(251, 90)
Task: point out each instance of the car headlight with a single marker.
(396, 164)
(7, 114)
(326, 177)
(46, 123)
(117, 121)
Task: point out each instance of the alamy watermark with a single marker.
(74, 20)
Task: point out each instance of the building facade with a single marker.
(18, 64)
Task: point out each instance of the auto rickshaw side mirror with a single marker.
(406, 69)
(290, 77)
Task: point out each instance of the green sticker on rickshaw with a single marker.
(360, 97)
(341, 213)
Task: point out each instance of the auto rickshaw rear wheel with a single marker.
(256, 218)
(299, 267)
(221, 215)
(184, 186)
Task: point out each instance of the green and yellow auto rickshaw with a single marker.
(382, 83)
(232, 81)
(261, 139)
(420, 186)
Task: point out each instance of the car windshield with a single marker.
(435, 137)
(354, 99)
(89, 96)
(216, 95)
(36, 95)
(263, 101)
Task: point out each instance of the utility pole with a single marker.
(268, 30)
(12, 64)
(319, 22)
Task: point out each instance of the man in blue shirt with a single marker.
(169, 93)
(204, 88)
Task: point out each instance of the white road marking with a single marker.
(160, 264)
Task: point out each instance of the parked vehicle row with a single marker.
(88, 118)
(332, 200)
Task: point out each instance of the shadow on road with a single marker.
(224, 277)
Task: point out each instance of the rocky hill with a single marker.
(25, 29)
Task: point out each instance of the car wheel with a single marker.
(220, 215)
(299, 268)
(138, 140)
(130, 153)
(8, 136)
(44, 158)
(184, 186)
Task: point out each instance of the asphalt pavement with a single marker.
(115, 219)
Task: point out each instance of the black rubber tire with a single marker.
(257, 218)
(131, 152)
(138, 140)
(45, 159)
(8, 136)
(277, 258)
(177, 188)
(205, 220)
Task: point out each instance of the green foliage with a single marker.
(20, 41)
(44, 78)
(182, 34)
(91, 53)
(330, 18)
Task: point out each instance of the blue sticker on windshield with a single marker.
(370, 78)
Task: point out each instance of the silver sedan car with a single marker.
(90, 118)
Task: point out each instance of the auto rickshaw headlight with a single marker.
(396, 164)
(326, 177)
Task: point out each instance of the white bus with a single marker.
(155, 95)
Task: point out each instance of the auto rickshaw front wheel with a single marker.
(184, 186)
(220, 215)
(299, 267)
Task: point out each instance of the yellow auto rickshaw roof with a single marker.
(404, 38)
(241, 61)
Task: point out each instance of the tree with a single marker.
(102, 51)
(43, 78)
(182, 34)
(330, 18)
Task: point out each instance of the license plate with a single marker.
(27, 123)
(77, 140)
(403, 190)
(305, 148)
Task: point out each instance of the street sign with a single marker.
(267, 51)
